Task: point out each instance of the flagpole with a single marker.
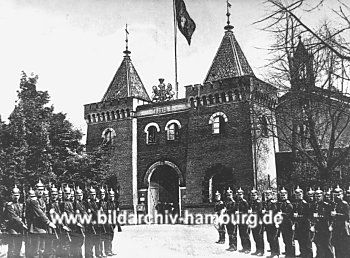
(175, 47)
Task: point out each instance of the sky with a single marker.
(76, 46)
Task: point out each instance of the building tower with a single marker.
(112, 122)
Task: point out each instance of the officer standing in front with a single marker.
(219, 209)
(36, 214)
(15, 226)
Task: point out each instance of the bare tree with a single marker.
(310, 66)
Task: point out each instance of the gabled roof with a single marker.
(126, 83)
(229, 60)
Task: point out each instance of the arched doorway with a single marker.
(164, 179)
(219, 178)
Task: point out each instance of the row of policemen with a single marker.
(33, 222)
(321, 219)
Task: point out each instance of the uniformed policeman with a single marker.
(53, 245)
(220, 209)
(270, 206)
(310, 196)
(15, 226)
(347, 197)
(256, 208)
(111, 209)
(286, 209)
(102, 205)
(231, 227)
(66, 207)
(301, 218)
(242, 208)
(46, 197)
(341, 215)
(36, 214)
(320, 212)
(60, 195)
(79, 231)
(92, 231)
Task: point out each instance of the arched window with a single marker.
(264, 126)
(151, 131)
(108, 135)
(172, 128)
(218, 120)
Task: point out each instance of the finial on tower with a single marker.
(228, 27)
(126, 52)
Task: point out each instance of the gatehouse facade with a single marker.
(181, 151)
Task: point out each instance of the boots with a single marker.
(232, 244)
(221, 238)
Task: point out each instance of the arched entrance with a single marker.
(219, 178)
(163, 179)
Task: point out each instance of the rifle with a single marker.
(25, 232)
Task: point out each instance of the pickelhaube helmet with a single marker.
(60, 191)
(283, 191)
(319, 191)
(67, 190)
(217, 193)
(111, 192)
(46, 192)
(72, 192)
(53, 190)
(31, 192)
(78, 191)
(348, 191)
(240, 191)
(268, 191)
(253, 191)
(310, 191)
(298, 190)
(39, 185)
(338, 190)
(102, 190)
(92, 190)
(229, 191)
(329, 191)
(15, 190)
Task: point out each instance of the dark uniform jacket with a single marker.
(242, 206)
(92, 208)
(286, 208)
(231, 206)
(14, 213)
(320, 215)
(342, 214)
(256, 206)
(36, 214)
(219, 206)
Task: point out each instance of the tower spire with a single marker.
(126, 52)
(228, 27)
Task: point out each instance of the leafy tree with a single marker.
(39, 143)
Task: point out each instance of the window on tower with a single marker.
(151, 131)
(108, 136)
(172, 128)
(302, 71)
(217, 122)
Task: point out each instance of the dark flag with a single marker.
(184, 22)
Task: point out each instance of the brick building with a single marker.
(182, 151)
